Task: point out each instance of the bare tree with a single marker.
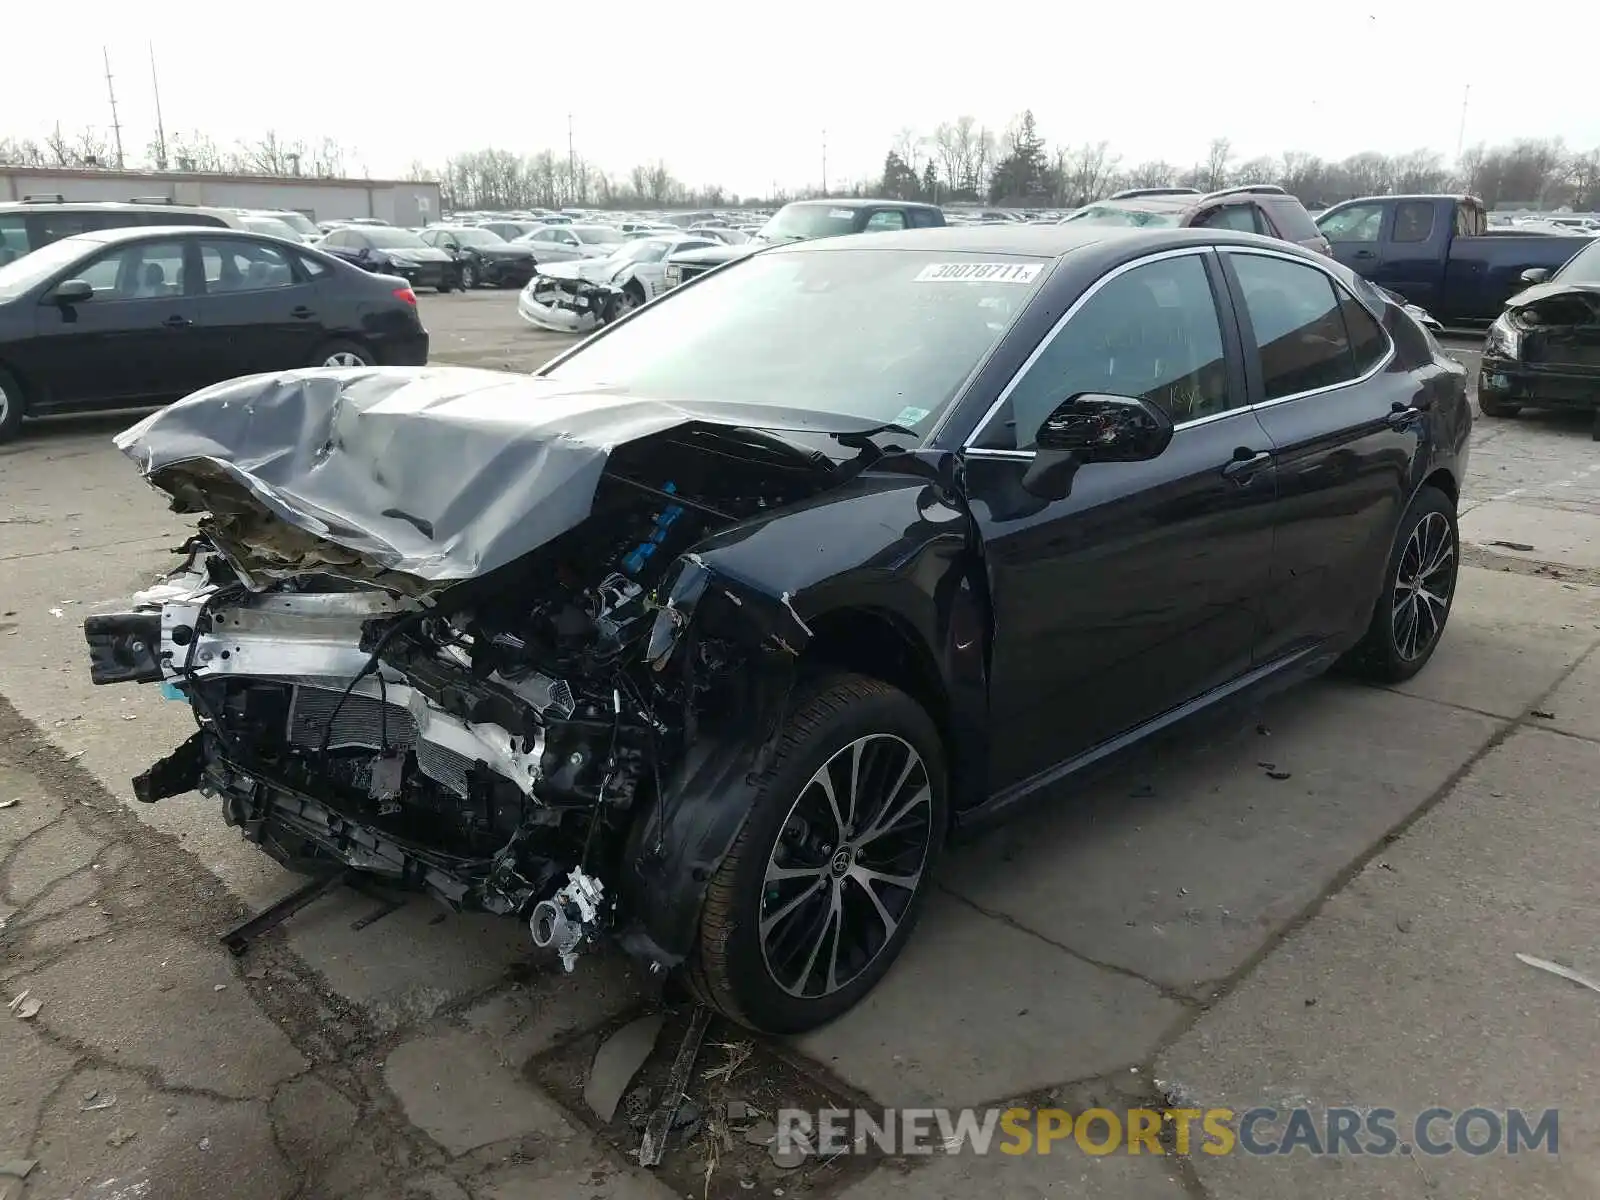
(21, 152)
(660, 182)
(1087, 172)
(1261, 169)
(1153, 173)
(1214, 172)
(195, 151)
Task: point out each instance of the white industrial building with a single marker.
(399, 202)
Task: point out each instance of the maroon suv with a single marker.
(1263, 208)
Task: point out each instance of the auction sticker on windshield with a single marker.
(969, 272)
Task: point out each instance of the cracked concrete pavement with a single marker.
(1189, 928)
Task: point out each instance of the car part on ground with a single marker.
(679, 654)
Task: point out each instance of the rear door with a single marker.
(259, 311)
(134, 342)
(1346, 428)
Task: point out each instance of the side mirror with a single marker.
(1535, 275)
(452, 247)
(72, 291)
(1092, 427)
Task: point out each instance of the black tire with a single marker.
(729, 967)
(1394, 647)
(469, 276)
(445, 288)
(1490, 407)
(1594, 429)
(12, 404)
(338, 347)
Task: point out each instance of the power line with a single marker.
(116, 126)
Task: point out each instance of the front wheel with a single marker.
(10, 407)
(1419, 585)
(469, 277)
(825, 881)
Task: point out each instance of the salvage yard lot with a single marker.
(1318, 899)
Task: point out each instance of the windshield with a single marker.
(298, 222)
(386, 238)
(477, 237)
(640, 250)
(1582, 267)
(1106, 214)
(597, 235)
(902, 331)
(17, 277)
(808, 221)
(271, 225)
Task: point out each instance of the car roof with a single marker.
(1042, 241)
(134, 233)
(858, 202)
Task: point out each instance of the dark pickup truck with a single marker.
(806, 219)
(1439, 253)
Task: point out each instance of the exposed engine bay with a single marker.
(502, 741)
(570, 304)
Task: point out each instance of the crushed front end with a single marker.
(569, 303)
(514, 740)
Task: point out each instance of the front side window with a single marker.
(1151, 332)
(1298, 327)
(1358, 223)
(903, 330)
(1582, 267)
(141, 271)
(237, 266)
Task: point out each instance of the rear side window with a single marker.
(884, 219)
(1413, 221)
(921, 218)
(1231, 216)
(1368, 342)
(1290, 216)
(1298, 327)
(14, 241)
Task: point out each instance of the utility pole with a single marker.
(824, 162)
(1461, 134)
(116, 126)
(161, 132)
(572, 160)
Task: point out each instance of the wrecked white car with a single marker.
(579, 296)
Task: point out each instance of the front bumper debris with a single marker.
(568, 305)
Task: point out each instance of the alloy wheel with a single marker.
(1423, 585)
(5, 405)
(847, 863)
(344, 358)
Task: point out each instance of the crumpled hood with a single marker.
(593, 269)
(406, 476)
(1550, 289)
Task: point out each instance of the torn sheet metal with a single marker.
(338, 470)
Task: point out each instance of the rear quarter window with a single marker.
(1291, 218)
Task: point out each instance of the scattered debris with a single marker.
(11, 803)
(654, 1146)
(130, 716)
(1544, 964)
(1403, 924)
(761, 1133)
(738, 1054)
(1267, 766)
(74, 756)
(1542, 714)
(636, 1107)
(1278, 774)
(17, 1168)
(740, 1110)
(221, 987)
(787, 1158)
(56, 612)
(1523, 546)
(205, 1143)
(91, 1104)
(617, 1061)
(1263, 731)
(687, 1119)
(121, 1137)
(30, 1009)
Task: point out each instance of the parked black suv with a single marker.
(1263, 208)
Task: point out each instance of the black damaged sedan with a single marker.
(1544, 349)
(722, 623)
(482, 256)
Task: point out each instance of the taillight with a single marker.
(406, 294)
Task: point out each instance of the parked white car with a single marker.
(553, 298)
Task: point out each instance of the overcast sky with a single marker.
(745, 98)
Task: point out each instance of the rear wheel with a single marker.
(469, 276)
(1419, 585)
(342, 354)
(632, 298)
(11, 404)
(1490, 407)
(825, 881)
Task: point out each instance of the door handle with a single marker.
(301, 312)
(1402, 416)
(177, 322)
(1246, 465)
(1363, 254)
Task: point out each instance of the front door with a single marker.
(133, 343)
(1346, 434)
(1142, 589)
